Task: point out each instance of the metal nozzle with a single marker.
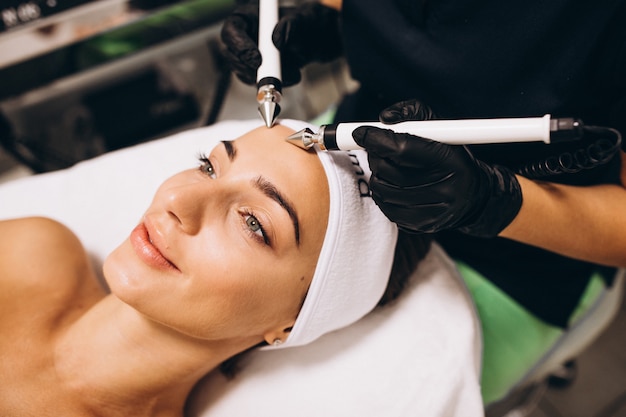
(306, 138)
(268, 98)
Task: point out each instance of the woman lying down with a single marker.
(252, 249)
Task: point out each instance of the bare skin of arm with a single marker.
(585, 223)
(335, 4)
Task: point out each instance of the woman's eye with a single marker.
(206, 167)
(256, 228)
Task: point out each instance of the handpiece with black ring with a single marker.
(454, 132)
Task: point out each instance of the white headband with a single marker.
(356, 257)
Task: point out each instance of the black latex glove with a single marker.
(306, 33)
(426, 186)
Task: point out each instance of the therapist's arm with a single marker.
(335, 4)
(587, 223)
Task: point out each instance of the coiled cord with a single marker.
(600, 152)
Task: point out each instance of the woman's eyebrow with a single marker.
(270, 190)
(230, 149)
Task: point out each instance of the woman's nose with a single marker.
(189, 205)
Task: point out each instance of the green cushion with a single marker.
(514, 340)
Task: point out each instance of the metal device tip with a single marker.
(269, 111)
(302, 139)
(296, 139)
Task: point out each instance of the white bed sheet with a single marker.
(418, 357)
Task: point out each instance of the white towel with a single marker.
(419, 356)
(356, 257)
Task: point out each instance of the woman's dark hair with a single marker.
(410, 250)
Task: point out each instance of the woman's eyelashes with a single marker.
(255, 228)
(206, 167)
(252, 225)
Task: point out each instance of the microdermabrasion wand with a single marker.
(453, 132)
(269, 83)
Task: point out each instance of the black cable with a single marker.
(599, 152)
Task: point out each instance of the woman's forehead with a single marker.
(297, 173)
(270, 144)
(275, 135)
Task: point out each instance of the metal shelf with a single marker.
(147, 75)
(29, 28)
(39, 63)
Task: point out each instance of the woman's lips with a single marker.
(147, 252)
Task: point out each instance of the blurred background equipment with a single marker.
(84, 77)
(79, 78)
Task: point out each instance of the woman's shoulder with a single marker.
(36, 223)
(40, 256)
(25, 239)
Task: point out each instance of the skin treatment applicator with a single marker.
(268, 76)
(452, 132)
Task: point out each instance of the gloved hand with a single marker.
(426, 186)
(306, 33)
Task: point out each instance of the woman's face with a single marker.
(228, 250)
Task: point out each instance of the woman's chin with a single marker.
(122, 280)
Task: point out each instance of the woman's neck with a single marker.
(119, 361)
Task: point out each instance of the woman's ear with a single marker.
(278, 336)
